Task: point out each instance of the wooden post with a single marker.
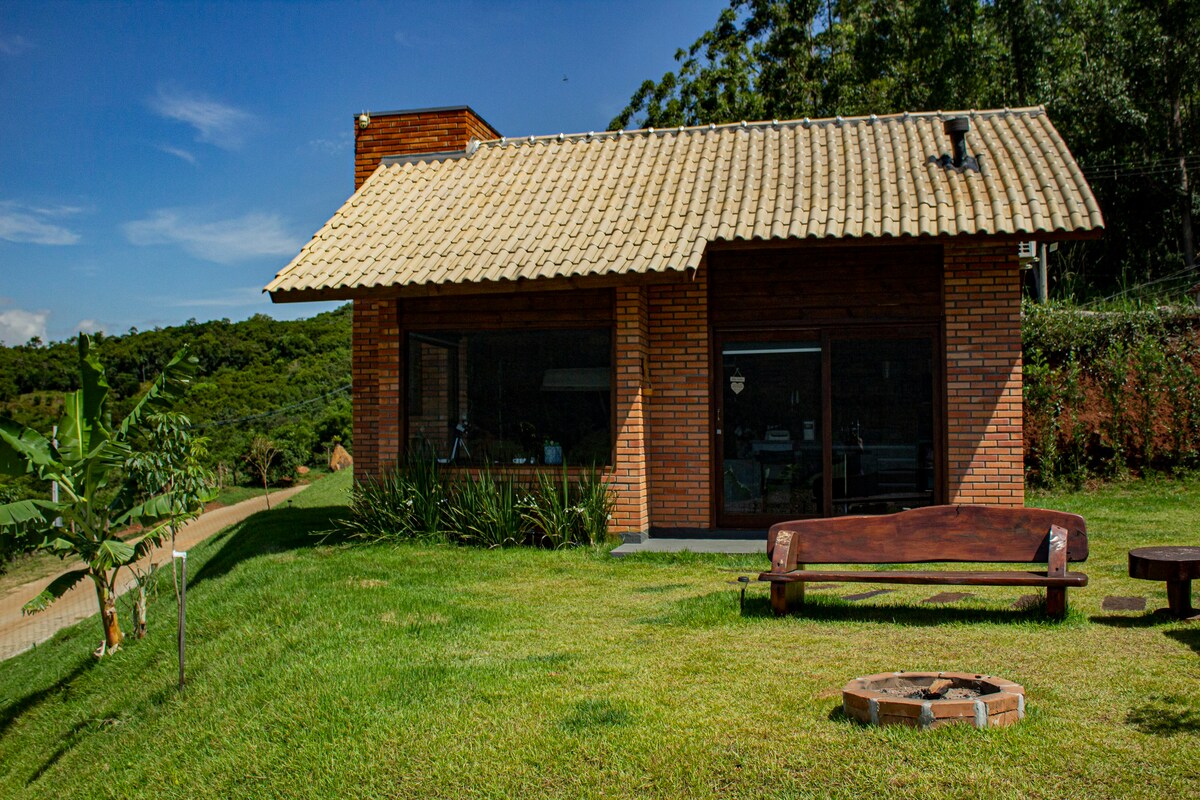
(182, 609)
(1056, 566)
(786, 597)
(1056, 601)
(1179, 598)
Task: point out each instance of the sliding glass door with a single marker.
(821, 423)
(770, 429)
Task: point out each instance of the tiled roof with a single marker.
(645, 201)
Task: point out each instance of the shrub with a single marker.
(485, 510)
(1110, 393)
(406, 503)
(415, 501)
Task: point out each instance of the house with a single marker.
(740, 323)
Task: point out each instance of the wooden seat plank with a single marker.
(959, 578)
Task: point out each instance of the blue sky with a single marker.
(161, 161)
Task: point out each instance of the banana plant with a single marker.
(98, 498)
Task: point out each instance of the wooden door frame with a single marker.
(825, 334)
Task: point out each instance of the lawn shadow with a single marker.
(833, 609)
(12, 713)
(69, 740)
(838, 714)
(279, 530)
(1165, 715)
(715, 608)
(1149, 619)
(1190, 637)
(591, 714)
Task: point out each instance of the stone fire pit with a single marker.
(930, 699)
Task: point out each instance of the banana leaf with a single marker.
(57, 588)
(112, 553)
(28, 516)
(24, 450)
(83, 428)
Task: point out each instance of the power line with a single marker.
(1174, 276)
(1125, 164)
(285, 409)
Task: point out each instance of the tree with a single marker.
(169, 463)
(99, 497)
(261, 456)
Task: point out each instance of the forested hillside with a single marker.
(288, 381)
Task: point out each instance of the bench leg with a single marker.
(1056, 601)
(786, 597)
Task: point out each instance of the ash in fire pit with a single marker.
(940, 689)
(930, 699)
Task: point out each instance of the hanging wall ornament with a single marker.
(736, 381)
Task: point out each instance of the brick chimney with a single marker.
(416, 132)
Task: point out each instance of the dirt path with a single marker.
(18, 632)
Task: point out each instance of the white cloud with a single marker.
(58, 210)
(91, 326)
(224, 241)
(215, 123)
(14, 45)
(25, 224)
(178, 152)
(334, 147)
(18, 326)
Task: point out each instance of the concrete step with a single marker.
(679, 545)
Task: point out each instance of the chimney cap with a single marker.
(956, 125)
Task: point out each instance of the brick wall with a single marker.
(679, 438)
(405, 133)
(375, 373)
(629, 474)
(982, 293)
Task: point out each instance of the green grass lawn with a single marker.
(324, 670)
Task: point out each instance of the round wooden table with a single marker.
(1175, 565)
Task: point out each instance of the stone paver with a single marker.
(19, 632)
(1123, 604)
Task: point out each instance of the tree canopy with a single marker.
(1119, 78)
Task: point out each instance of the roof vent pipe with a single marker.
(956, 128)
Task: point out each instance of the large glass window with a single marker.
(511, 397)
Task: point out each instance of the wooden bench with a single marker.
(980, 534)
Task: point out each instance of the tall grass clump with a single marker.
(561, 512)
(407, 503)
(418, 501)
(486, 511)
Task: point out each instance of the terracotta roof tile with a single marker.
(651, 200)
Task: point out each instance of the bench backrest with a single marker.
(936, 533)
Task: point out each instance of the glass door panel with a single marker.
(881, 399)
(770, 431)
